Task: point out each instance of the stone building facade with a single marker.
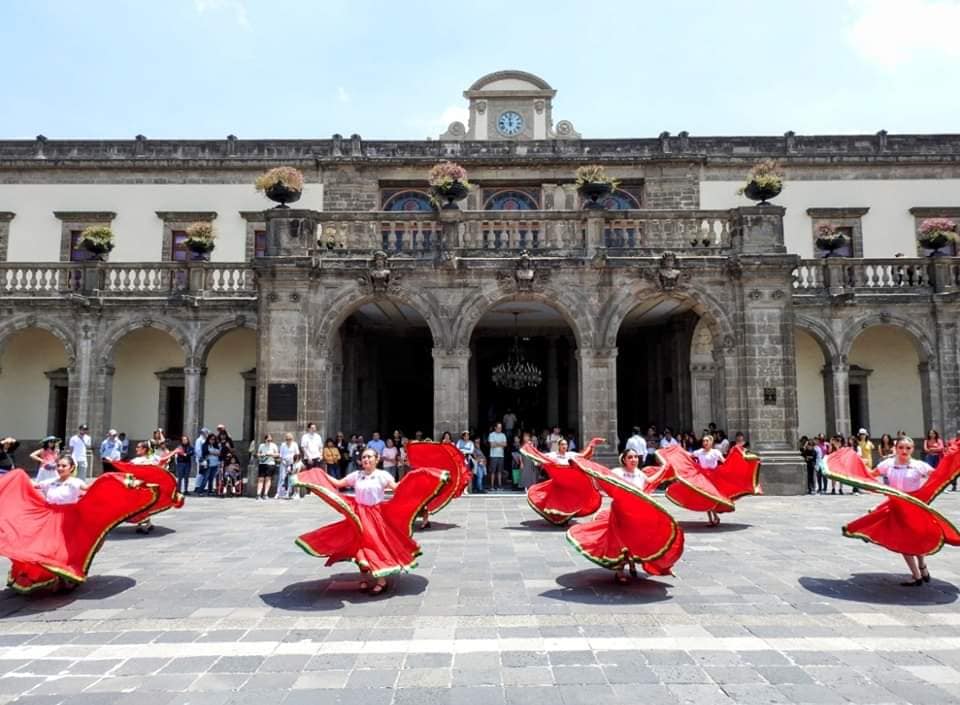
(367, 309)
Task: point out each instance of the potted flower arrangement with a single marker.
(936, 233)
(829, 238)
(448, 181)
(97, 240)
(282, 184)
(201, 239)
(592, 183)
(764, 182)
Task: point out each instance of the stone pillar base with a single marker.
(782, 472)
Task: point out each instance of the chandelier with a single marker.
(516, 372)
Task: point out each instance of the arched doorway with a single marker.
(544, 339)
(34, 382)
(886, 386)
(655, 369)
(383, 380)
(229, 386)
(811, 399)
(148, 385)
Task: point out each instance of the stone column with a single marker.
(83, 389)
(573, 397)
(193, 393)
(836, 394)
(703, 395)
(598, 398)
(553, 384)
(450, 389)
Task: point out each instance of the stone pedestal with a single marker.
(782, 473)
(450, 390)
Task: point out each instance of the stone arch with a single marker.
(51, 325)
(821, 334)
(618, 306)
(113, 336)
(926, 350)
(530, 78)
(475, 307)
(349, 299)
(209, 336)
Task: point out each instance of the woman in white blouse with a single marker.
(709, 458)
(905, 473)
(64, 488)
(629, 472)
(370, 487)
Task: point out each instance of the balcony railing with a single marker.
(898, 276)
(122, 280)
(488, 232)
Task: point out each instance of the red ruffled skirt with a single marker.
(567, 494)
(636, 528)
(445, 457)
(377, 538)
(54, 544)
(702, 490)
(904, 522)
(166, 482)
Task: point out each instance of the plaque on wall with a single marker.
(281, 402)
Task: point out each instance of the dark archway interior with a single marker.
(387, 378)
(653, 367)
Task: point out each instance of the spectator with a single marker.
(183, 455)
(389, 458)
(356, 453)
(46, 457)
(331, 458)
(159, 441)
(528, 468)
(668, 440)
(8, 447)
(289, 455)
(809, 453)
(418, 436)
(376, 444)
(110, 450)
(341, 443)
(397, 438)
(80, 444)
(198, 459)
(498, 441)
(637, 443)
(553, 440)
(311, 447)
(124, 446)
(836, 443)
(479, 466)
(723, 443)
(267, 456)
(864, 447)
(933, 448)
(212, 452)
(509, 422)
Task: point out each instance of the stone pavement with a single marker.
(219, 606)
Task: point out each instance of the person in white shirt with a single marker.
(267, 456)
(498, 441)
(709, 458)
(668, 439)
(723, 443)
(905, 473)
(311, 447)
(144, 456)
(370, 487)
(64, 488)
(630, 472)
(289, 454)
(79, 444)
(637, 443)
(198, 458)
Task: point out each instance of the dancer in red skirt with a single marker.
(153, 469)
(635, 530)
(704, 481)
(376, 534)
(52, 531)
(905, 522)
(568, 493)
(440, 456)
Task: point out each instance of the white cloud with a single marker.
(237, 7)
(434, 125)
(342, 95)
(893, 32)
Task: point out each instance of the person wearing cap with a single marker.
(8, 446)
(80, 444)
(110, 449)
(46, 458)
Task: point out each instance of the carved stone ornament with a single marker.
(294, 297)
(524, 274)
(734, 268)
(379, 273)
(729, 343)
(778, 294)
(539, 105)
(668, 275)
(599, 260)
(755, 294)
(481, 106)
(273, 297)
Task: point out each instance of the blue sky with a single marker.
(308, 69)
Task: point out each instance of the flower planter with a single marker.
(756, 192)
(831, 244)
(97, 249)
(201, 250)
(456, 191)
(282, 194)
(934, 242)
(593, 191)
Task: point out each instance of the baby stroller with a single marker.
(229, 480)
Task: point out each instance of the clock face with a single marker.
(510, 123)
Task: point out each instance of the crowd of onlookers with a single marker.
(815, 450)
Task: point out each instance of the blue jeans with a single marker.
(479, 472)
(209, 481)
(183, 477)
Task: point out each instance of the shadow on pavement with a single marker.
(333, 592)
(126, 532)
(701, 527)
(436, 526)
(882, 589)
(537, 525)
(96, 587)
(597, 587)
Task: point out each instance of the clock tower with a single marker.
(510, 105)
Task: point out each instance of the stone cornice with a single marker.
(850, 212)
(253, 216)
(186, 216)
(85, 216)
(7, 216)
(934, 212)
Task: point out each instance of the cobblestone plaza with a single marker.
(219, 606)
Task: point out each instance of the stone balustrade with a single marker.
(845, 276)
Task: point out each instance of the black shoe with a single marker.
(913, 583)
(925, 576)
(833, 491)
